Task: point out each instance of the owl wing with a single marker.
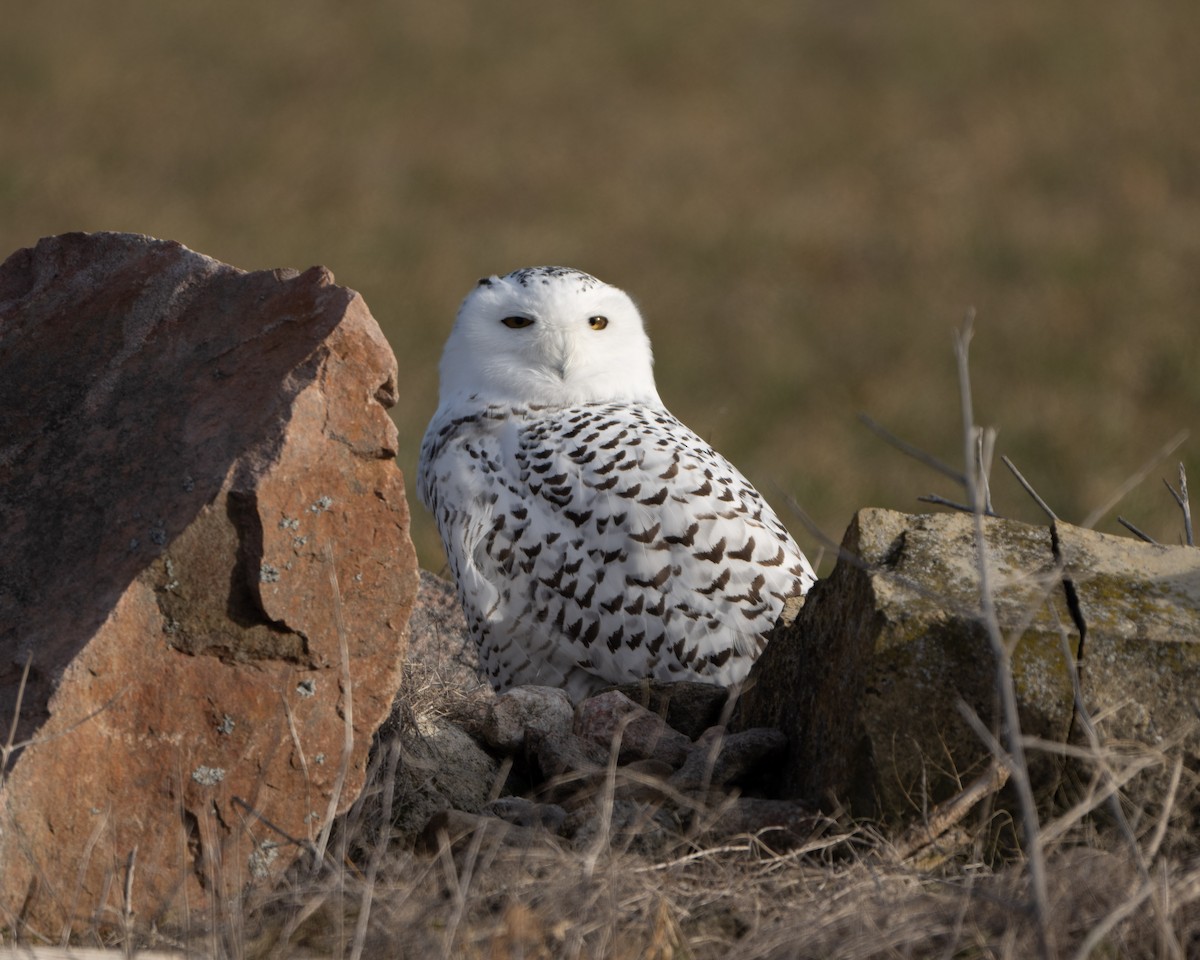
(613, 540)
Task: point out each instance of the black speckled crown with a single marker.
(527, 276)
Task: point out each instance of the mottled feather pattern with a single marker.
(599, 542)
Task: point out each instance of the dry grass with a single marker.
(1113, 889)
(844, 895)
(1119, 868)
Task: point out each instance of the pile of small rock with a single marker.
(641, 765)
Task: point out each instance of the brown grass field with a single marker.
(805, 198)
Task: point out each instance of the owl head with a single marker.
(549, 336)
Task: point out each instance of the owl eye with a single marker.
(516, 323)
(597, 323)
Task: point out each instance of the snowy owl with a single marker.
(593, 537)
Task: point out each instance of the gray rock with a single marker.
(779, 824)
(687, 705)
(645, 828)
(1140, 665)
(441, 767)
(867, 682)
(526, 813)
(720, 758)
(458, 828)
(612, 717)
(547, 710)
(558, 755)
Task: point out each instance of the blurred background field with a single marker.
(804, 198)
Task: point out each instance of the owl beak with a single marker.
(560, 357)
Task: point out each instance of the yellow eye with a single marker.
(516, 323)
(597, 323)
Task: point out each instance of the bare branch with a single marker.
(1181, 500)
(250, 811)
(1187, 507)
(10, 748)
(1168, 806)
(1096, 936)
(377, 853)
(942, 502)
(10, 741)
(335, 793)
(985, 448)
(915, 452)
(1161, 453)
(1135, 531)
(948, 814)
(810, 524)
(1083, 718)
(1040, 898)
(127, 910)
(1028, 488)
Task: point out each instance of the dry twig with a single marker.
(1029, 488)
(1134, 479)
(335, 795)
(1181, 499)
(913, 451)
(950, 812)
(1019, 767)
(1141, 535)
